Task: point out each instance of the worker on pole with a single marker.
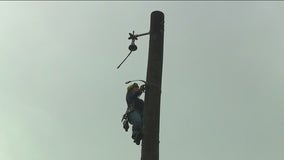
(134, 112)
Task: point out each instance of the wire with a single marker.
(124, 59)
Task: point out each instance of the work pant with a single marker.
(135, 118)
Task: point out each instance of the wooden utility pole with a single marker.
(151, 120)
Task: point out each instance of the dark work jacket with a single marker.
(133, 102)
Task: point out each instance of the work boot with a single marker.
(137, 141)
(137, 138)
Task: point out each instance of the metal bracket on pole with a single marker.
(132, 47)
(132, 36)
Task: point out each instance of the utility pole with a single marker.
(151, 119)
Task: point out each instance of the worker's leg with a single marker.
(137, 123)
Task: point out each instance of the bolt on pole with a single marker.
(151, 119)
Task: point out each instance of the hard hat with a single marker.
(129, 88)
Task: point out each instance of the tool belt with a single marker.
(124, 119)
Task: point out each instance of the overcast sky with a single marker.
(61, 96)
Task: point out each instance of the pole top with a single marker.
(157, 13)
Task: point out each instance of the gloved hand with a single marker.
(143, 87)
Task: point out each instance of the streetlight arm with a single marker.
(143, 34)
(134, 37)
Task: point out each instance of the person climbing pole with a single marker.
(134, 112)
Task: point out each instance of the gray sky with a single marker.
(61, 96)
